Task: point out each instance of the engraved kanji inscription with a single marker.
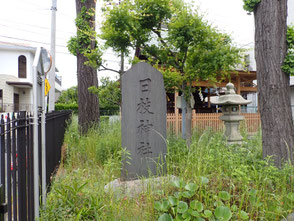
(145, 85)
(144, 148)
(144, 106)
(144, 126)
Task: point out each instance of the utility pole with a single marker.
(52, 52)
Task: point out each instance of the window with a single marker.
(22, 66)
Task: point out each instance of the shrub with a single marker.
(73, 107)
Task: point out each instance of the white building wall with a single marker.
(290, 19)
(8, 90)
(9, 64)
(9, 72)
(30, 62)
(292, 95)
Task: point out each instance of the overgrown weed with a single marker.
(256, 189)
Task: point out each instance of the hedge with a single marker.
(74, 108)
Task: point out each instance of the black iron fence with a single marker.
(16, 160)
(55, 129)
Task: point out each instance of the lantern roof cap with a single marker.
(230, 97)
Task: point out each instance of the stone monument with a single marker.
(230, 103)
(143, 122)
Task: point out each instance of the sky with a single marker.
(29, 22)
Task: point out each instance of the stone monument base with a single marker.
(234, 142)
(133, 188)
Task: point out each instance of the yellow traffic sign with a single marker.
(47, 86)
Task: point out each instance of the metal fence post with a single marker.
(3, 206)
(21, 144)
(2, 152)
(8, 164)
(13, 168)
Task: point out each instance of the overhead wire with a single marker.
(22, 39)
(67, 53)
(29, 31)
(36, 26)
(33, 3)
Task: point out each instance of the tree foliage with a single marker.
(109, 93)
(249, 5)
(173, 37)
(69, 96)
(288, 66)
(86, 36)
(116, 29)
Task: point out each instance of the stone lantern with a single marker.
(230, 103)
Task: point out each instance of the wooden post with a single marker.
(208, 98)
(176, 113)
(238, 85)
(238, 90)
(193, 118)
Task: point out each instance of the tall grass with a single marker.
(263, 191)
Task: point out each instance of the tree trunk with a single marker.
(273, 84)
(87, 76)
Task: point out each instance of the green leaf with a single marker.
(196, 205)
(179, 183)
(178, 195)
(173, 201)
(204, 180)
(243, 215)
(253, 192)
(199, 207)
(182, 207)
(186, 215)
(178, 218)
(187, 194)
(223, 213)
(290, 196)
(191, 187)
(193, 204)
(253, 199)
(165, 205)
(218, 203)
(193, 213)
(234, 208)
(224, 195)
(157, 206)
(165, 217)
(161, 206)
(207, 213)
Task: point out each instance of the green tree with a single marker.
(175, 39)
(109, 93)
(84, 46)
(273, 81)
(69, 96)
